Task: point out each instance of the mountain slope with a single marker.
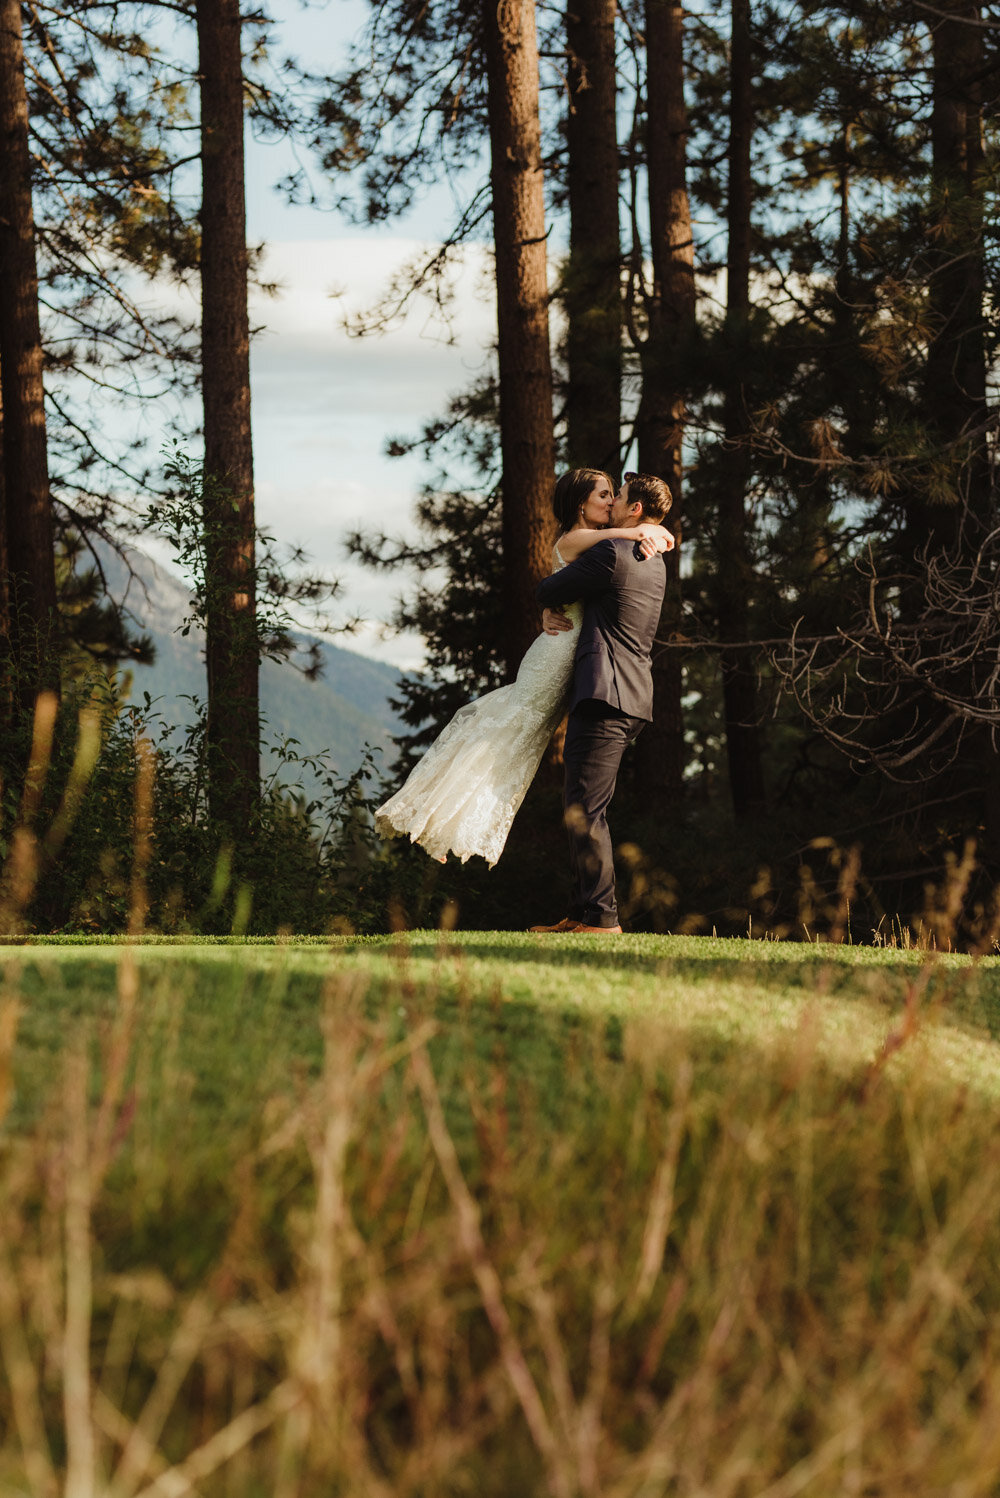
(336, 715)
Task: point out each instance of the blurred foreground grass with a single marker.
(488, 1213)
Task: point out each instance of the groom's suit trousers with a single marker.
(597, 736)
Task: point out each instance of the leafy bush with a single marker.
(74, 858)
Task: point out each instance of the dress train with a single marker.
(461, 797)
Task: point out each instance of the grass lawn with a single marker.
(485, 1212)
(242, 1014)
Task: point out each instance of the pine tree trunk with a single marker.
(660, 749)
(955, 391)
(232, 653)
(6, 664)
(592, 278)
(843, 281)
(27, 527)
(733, 562)
(526, 439)
(955, 381)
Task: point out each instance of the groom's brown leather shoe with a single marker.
(581, 930)
(568, 923)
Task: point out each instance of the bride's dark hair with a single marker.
(571, 493)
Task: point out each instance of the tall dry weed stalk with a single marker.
(680, 1274)
(32, 848)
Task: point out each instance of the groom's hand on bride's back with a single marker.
(553, 622)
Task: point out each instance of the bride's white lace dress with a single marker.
(462, 795)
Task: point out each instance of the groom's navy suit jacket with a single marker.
(621, 596)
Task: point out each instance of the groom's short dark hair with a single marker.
(652, 493)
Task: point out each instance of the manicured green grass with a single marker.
(486, 1212)
(247, 1012)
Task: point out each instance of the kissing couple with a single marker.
(601, 605)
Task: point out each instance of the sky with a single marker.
(325, 403)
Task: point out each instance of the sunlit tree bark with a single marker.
(526, 437)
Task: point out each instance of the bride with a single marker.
(462, 795)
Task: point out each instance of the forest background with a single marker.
(748, 248)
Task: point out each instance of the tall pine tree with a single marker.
(591, 276)
(733, 559)
(668, 345)
(231, 644)
(27, 519)
(523, 356)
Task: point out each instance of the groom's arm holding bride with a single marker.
(590, 575)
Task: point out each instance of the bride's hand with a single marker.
(654, 539)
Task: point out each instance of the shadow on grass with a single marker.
(237, 1031)
(966, 991)
(618, 954)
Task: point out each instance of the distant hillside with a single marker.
(346, 708)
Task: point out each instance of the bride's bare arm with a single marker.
(653, 538)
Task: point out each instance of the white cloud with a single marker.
(349, 274)
(324, 404)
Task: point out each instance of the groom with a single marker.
(612, 690)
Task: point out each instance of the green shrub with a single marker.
(304, 864)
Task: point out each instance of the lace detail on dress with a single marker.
(461, 797)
